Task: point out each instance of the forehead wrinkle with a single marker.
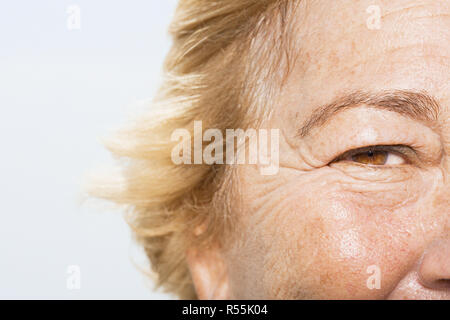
(380, 49)
(424, 6)
(371, 58)
(409, 9)
(416, 105)
(350, 29)
(425, 10)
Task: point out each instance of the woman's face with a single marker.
(337, 222)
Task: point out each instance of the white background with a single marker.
(60, 90)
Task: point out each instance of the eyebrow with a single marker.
(417, 105)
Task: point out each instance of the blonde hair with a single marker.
(227, 61)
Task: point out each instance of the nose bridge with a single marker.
(441, 203)
(443, 197)
(445, 136)
(434, 270)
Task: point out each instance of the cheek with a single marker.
(324, 241)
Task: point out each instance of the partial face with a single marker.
(360, 206)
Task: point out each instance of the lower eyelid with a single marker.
(370, 173)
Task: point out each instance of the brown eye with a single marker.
(379, 155)
(371, 157)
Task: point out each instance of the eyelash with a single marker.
(406, 152)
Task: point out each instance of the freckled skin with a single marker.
(312, 230)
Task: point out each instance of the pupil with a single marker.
(370, 153)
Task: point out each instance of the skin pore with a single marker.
(368, 185)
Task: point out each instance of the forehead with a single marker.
(344, 48)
